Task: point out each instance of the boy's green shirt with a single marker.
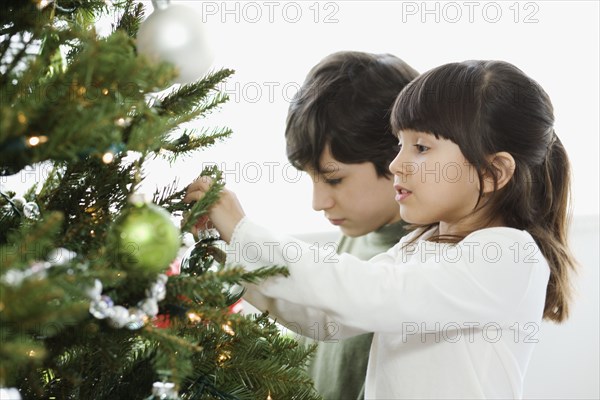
(339, 368)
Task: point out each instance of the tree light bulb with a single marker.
(228, 329)
(108, 157)
(224, 356)
(42, 4)
(36, 140)
(193, 317)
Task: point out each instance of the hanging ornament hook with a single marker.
(160, 4)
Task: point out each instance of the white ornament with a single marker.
(175, 34)
(9, 394)
(61, 256)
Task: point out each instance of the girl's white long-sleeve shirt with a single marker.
(449, 321)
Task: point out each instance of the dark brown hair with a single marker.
(345, 102)
(487, 107)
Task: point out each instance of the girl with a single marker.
(456, 305)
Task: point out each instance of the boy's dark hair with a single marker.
(345, 102)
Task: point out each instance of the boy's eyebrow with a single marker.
(330, 168)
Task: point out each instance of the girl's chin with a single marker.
(411, 219)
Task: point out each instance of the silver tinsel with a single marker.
(103, 307)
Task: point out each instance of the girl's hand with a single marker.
(224, 214)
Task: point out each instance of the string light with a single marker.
(22, 118)
(36, 140)
(31, 353)
(42, 4)
(108, 157)
(105, 91)
(269, 396)
(193, 317)
(228, 330)
(123, 122)
(224, 356)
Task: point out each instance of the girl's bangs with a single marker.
(440, 102)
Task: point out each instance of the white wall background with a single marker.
(555, 42)
(273, 44)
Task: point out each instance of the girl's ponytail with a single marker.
(551, 228)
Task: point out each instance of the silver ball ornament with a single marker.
(31, 210)
(175, 34)
(19, 202)
(164, 391)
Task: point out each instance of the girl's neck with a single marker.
(464, 228)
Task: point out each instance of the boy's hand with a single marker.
(224, 214)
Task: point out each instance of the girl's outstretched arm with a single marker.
(494, 275)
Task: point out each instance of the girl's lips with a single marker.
(336, 221)
(401, 193)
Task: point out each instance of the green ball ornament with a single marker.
(145, 238)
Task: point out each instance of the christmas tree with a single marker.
(87, 309)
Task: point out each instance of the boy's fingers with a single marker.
(192, 196)
(204, 223)
(197, 189)
(202, 182)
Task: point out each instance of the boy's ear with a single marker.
(501, 164)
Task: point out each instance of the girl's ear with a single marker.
(502, 165)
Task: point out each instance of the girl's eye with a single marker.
(421, 148)
(333, 182)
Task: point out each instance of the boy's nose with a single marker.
(322, 199)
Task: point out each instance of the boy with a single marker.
(338, 131)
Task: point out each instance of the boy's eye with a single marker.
(333, 182)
